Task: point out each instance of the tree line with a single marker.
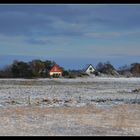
(31, 69)
(40, 69)
(132, 70)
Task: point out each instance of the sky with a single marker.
(73, 35)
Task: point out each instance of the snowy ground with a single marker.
(95, 97)
(69, 92)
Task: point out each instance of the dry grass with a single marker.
(118, 120)
(35, 116)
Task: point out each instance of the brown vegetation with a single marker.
(90, 120)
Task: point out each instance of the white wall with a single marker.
(51, 73)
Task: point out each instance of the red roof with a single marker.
(56, 68)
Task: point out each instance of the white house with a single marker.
(89, 69)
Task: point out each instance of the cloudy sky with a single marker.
(72, 35)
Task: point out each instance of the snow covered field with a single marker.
(105, 101)
(69, 92)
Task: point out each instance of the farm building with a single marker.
(55, 71)
(89, 69)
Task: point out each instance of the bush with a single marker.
(71, 75)
(106, 68)
(135, 69)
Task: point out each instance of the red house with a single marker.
(55, 71)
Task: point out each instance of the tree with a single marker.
(124, 68)
(6, 72)
(106, 68)
(135, 69)
(37, 67)
(48, 65)
(21, 69)
(99, 66)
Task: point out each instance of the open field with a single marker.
(82, 106)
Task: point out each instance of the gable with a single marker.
(89, 68)
(56, 68)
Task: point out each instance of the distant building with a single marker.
(55, 71)
(89, 69)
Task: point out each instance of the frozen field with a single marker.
(82, 106)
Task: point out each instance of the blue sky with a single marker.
(71, 34)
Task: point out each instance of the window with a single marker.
(90, 69)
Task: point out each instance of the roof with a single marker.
(55, 68)
(87, 66)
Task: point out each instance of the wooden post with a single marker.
(29, 100)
